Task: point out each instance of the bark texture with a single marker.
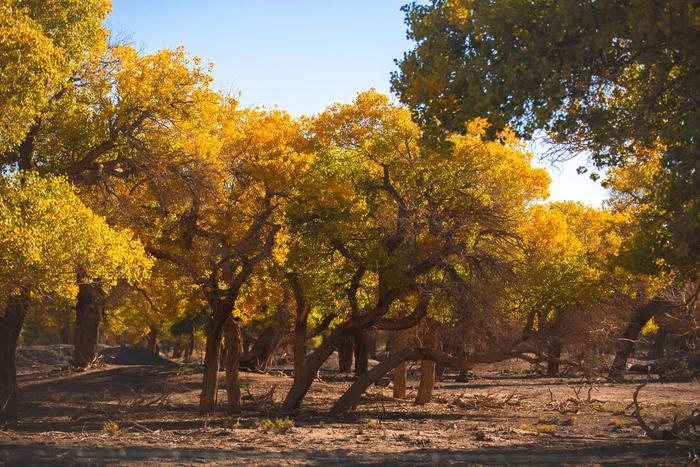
(232, 332)
(89, 310)
(10, 326)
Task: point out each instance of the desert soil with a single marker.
(121, 415)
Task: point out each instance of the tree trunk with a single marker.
(439, 370)
(361, 343)
(152, 341)
(212, 351)
(625, 345)
(177, 349)
(351, 396)
(400, 370)
(657, 350)
(462, 376)
(10, 326)
(553, 354)
(345, 351)
(88, 313)
(299, 347)
(232, 332)
(306, 374)
(427, 371)
(264, 347)
(190, 347)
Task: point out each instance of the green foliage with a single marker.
(50, 241)
(614, 78)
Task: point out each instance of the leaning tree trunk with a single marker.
(232, 332)
(10, 326)
(351, 396)
(299, 347)
(212, 351)
(89, 310)
(345, 351)
(361, 338)
(641, 316)
(264, 347)
(553, 357)
(306, 374)
(427, 371)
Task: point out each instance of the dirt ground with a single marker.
(120, 415)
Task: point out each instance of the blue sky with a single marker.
(298, 55)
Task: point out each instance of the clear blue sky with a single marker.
(298, 55)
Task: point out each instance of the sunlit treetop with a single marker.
(43, 42)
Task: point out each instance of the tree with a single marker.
(608, 77)
(50, 242)
(225, 208)
(116, 123)
(394, 213)
(43, 42)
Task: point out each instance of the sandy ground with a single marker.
(121, 415)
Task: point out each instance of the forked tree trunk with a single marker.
(10, 326)
(427, 371)
(345, 351)
(400, 370)
(638, 320)
(89, 310)
(212, 351)
(315, 359)
(232, 332)
(360, 338)
(553, 354)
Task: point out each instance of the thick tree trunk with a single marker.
(315, 359)
(345, 351)
(212, 351)
(360, 338)
(306, 374)
(264, 347)
(349, 399)
(427, 371)
(400, 377)
(638, 320)
(88, 314)
(232, 332)
(10, 326)
(553, 354)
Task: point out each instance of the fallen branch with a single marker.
(681, 429)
